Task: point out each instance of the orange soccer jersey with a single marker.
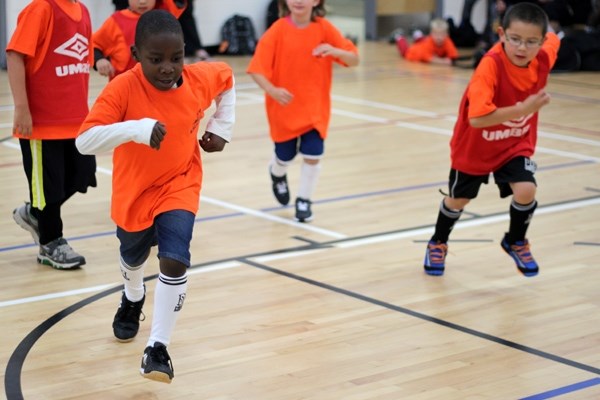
(284, 57)
(32, 39)
(424, 50)
(146, 181)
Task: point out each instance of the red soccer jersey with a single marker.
(498, 83)
(115, 38)
(55, 38)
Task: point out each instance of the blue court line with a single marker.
(323, 201)
(564, 390)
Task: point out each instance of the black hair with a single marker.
(156, 22)
(526, 12)
(317, 11)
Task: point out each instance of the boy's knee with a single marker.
(172, 268)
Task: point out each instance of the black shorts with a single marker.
(56, 170)
(465, 186)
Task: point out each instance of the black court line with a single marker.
(4, 139)
(586, 244)
(303, 239)
(12, 377)
(428, 318)
(591, 189)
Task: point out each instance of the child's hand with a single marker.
(158, 134)
(281, 95)
(536, 101)
(211, 142)
(105, 68)
(324, 50)
(22, 121)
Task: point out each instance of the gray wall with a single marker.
(2, 34)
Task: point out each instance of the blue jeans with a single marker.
(171, 231)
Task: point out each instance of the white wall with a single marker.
(210, 15)
(453, 9)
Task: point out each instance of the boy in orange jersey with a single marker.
(113, 41)
(496, 132)
(48, 60)
(293, 64)
(436, 48)
(150, 117)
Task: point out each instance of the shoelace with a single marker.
(437, 252)
(130, 311)
(522, 252)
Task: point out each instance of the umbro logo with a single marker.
(76, 47)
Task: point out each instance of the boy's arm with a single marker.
(22, 122)
(502, 114)
(100, 138)
(221, 122)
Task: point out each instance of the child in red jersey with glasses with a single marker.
(496, 133)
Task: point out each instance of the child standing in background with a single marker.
(293, 64)
(49, 58)
(150, 117)
(113, 41)
(496, 132)
(435, 48)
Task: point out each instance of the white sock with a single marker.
(133, 279)
(168, 301)
(309, 175)
(278, 168)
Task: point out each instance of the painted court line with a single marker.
(564, 390)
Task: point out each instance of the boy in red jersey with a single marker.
(293, 64)
(150, 117)
(496, 132)
(113, 41)
(48, 60)
(435, 48)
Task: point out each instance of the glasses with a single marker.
(517, 42)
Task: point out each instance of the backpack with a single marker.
(238, 36)
(272, 12)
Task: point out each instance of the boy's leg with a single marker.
(312, 147)
(134, 250)
(174, 229)
(282, 158)
(43, 162)
(462, 188)
(517, 178)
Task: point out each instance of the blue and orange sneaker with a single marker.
(435, 258)
(521, 254)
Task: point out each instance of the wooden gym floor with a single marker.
(339, 308)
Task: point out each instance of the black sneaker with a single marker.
(303, 211)
(156, 364)
(281, 191)
(127, 319)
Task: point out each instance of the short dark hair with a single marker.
(156, 22)
(526, 12)
(318, 10)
